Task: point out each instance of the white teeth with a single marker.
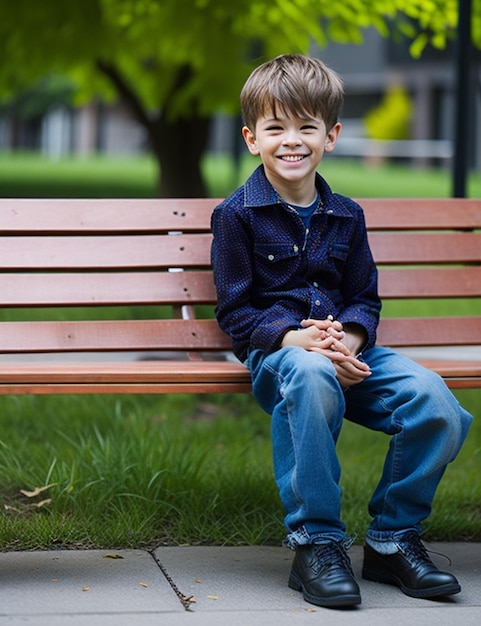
(289, 157)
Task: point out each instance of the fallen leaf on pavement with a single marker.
(112, 555)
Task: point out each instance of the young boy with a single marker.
(297, 292)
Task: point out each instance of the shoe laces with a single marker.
(413, 548)
(332, 554)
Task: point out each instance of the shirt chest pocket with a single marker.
(276, 259)
(275, 252)
(339, 251)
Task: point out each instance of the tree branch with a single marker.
(126, 93)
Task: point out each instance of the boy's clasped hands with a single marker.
(337, 343)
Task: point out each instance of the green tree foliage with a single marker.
(176, 62)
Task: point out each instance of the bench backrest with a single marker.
(97, 254)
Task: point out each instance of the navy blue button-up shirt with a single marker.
(271, 272)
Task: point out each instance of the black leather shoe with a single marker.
(323, 573)
(410, 569)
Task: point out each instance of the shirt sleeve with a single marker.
(232, 262)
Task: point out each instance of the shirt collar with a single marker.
(259, 192)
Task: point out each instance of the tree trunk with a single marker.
(179, 146)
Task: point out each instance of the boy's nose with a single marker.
(292, 138)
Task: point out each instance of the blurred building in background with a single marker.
(368, 71)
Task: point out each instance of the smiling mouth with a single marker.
(293, 157)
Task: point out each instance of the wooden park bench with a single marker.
(130, 286)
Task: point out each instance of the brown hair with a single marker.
(297, 84)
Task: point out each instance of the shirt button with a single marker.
(315, 284)
(317, 303)
(271, 257)
(296, 248)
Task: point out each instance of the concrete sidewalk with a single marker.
(234, 586)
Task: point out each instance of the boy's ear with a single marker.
(332, 137)
(250, 140)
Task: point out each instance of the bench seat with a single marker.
(164, 376)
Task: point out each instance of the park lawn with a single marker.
(143, 471)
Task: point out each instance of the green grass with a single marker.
(359, 180)
(139, 471)
(33, 176)
(142, 471)
(24, 175)
(136, 471)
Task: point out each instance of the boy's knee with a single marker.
(302, 363)
(443, 403)
(427, 383)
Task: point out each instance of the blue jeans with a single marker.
(299, 389)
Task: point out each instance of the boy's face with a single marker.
(290, 147)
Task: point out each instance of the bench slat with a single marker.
(205, 335)
(152, 251)
(105, 215)
(166, 377)
(421, 213)
(133, 377)
(135, 372)
(197, 287)
(394, 248)
(132, 288)
(191, 214)
(458, 282)
(46, 388)
(429, 331)
(148, 251)
(121, 335)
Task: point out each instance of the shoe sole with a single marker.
(339, 601)
(391, 579)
